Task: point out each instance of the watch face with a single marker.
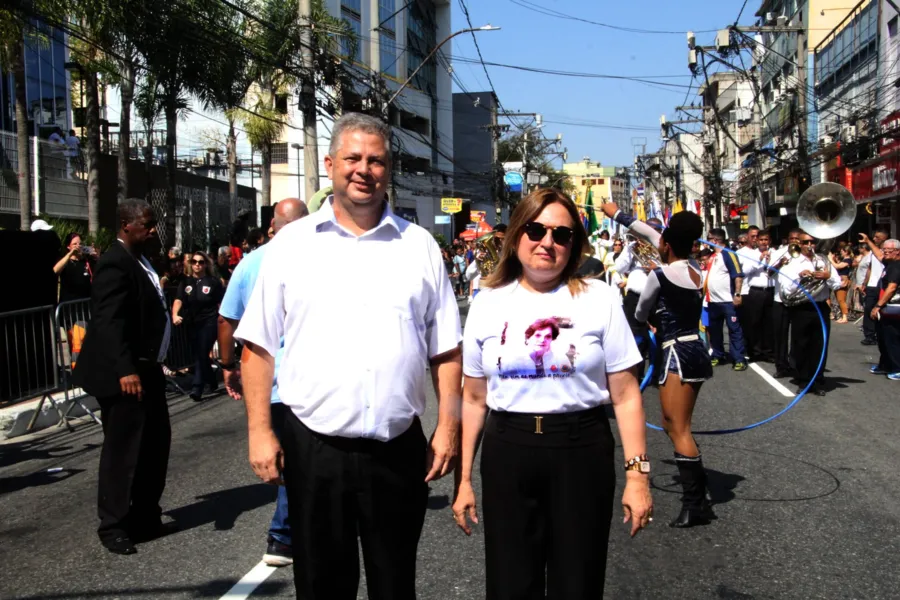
(644, 466)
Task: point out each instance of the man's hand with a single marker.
(738, 299)
(864, 238)
(875, 314)
(806, 273)
(131, 386)
(266, 456)
(177, 320)
(821, 275)
(609, 209)
(443, 449)
(232, 379)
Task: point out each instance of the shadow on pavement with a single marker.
(14, 484)
(211, 589)
(438, 502)
(721, 485)
(224, 507)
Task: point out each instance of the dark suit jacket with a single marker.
(127, 324)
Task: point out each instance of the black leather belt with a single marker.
(549, 422)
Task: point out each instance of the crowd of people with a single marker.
(555, 338)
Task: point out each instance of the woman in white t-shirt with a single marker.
(547, 352)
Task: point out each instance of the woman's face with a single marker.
(75, 243)
(544, 260)
(198, 265)
(617, 246)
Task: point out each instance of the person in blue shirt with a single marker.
(278, 550)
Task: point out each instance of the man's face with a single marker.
(807, 245)
(879, 238)
(143, 230)
(752, 237)
(500, 235)
(360, 169)
(540, 340)
(762, 243)
(891, 253)
(718, 241)
(794, 238)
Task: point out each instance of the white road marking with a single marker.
(772, 381)
(252, 580)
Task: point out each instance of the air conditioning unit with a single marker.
(848, 133)
(826, 140)
(781, 21)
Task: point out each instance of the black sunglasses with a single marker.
(198, 262)
(807, 242)
(536, 232)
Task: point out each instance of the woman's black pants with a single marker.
(548, 484)
(203, 336)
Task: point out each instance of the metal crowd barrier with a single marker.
(27, 354)
(70, 320)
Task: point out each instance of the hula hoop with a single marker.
(793, 402)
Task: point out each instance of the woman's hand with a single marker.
(177, 320)
(636, 501)
(465, 506)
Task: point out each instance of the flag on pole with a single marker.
(591, 226)
(639, 212)
(678, 207)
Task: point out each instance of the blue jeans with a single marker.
(280, 528)
(724, 313)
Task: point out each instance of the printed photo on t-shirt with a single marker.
(543, 348)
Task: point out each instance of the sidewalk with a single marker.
(14, 419)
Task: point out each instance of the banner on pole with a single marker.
(451, 205)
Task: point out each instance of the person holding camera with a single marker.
(74, 270)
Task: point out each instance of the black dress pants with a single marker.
(638, 330)
(872, 293)
(203, 337)
(806, 338)
(756, 322)
(781, 327)
(134, 458)
(888, 333)
(547, 505)
(344, 489)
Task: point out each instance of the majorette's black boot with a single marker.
(695, 508)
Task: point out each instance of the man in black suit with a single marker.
(120, 364)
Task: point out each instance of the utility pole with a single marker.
(496, 131)
(308, 102)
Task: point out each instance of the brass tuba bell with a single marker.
(487, 253)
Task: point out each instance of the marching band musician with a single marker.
(806, 326)
(781, 320)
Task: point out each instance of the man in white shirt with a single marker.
(758, 298)
(355, 460)
(876, 270)
(722, 291)
(806, 324)
(781, 319)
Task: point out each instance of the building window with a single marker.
(892, 27)
(280, 153)
(351, 13)
(281, 103)
(388, 54)
(386, 8)
(420, 40)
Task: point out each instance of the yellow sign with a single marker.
(451, 205)
(477, 216)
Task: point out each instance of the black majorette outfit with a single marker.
(678, 303)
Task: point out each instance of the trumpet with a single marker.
(644, 252)
(487, 253)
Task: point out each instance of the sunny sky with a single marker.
(531, 39)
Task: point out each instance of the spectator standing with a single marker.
(222, 269)
(75, 270)
(722, 288)
(459, 269)
(198, 297)
(886, 313)
(175, 269)
(876, 270)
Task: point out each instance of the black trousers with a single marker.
(203, 336)
(134, 458)
(639, 330)
(870, 302)
(547, 505)
(806, 338)
(781, 327)
(888, 332)
(344, 489)
(757, 322)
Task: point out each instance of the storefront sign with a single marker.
(875, 181)
(477, 216)
(514, 181)
(451, 205)
(890, 131)
(441, 219)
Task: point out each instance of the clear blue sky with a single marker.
(531, 39)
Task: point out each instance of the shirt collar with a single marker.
(326, 216)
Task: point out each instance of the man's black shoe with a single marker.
(196, 396)
(781, 374)
(869, 343)
(120, 545)
(153, 532)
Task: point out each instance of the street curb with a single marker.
(14, 420)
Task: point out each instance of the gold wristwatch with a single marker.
(640, 463)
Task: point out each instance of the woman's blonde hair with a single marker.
(509, 268)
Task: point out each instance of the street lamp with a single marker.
(432, 53)
(298, 148)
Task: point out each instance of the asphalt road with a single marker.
(806, 506)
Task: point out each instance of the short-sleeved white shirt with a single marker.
(550, 352)
(360, 317)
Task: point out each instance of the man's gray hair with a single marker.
(132, 209)
(224, 251)
(894, 243)
(359, 122)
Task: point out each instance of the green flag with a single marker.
(592, 224)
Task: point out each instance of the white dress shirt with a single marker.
(356, 344)
(876, 270)
(792, 270)
(776, 279)
(748, 257)
(626, 265)
(756, 273)
(862, 269)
